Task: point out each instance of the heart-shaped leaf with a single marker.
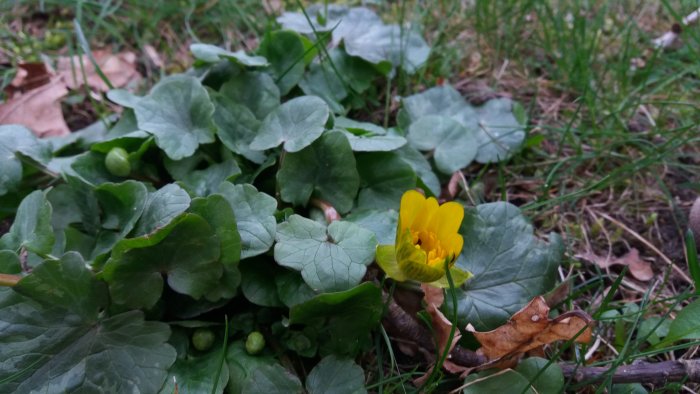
(296, 123)
(325, 169)
(453, 145)
(330, 259)
(510, 266)
(385, 177)
(178, 113)
(337, 376)
(31, 228)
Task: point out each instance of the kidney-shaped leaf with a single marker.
(330, 259)
(16, 139)
(498, 132)
(188, 256)
(510, 265)
(296, 123)
(454, 146)
(178, 112)
(272, 379)
(325, 169)
(336, 376)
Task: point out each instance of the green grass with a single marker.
(608, 134)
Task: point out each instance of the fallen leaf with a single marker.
(119, 68)
(434, 297)
(153, 56)
(640, 269)
(38, 109)
(29, 76)
(529, 329)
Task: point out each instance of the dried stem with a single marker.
(9, 280)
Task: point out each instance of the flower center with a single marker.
(430, 244)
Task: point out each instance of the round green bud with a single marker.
(117, 162)
(203, 339)
(255, 343)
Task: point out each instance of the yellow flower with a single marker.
(427, 241)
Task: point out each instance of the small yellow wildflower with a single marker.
(427, 241)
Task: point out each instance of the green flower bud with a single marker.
(203, 339)
(117, 162)
(255, 343)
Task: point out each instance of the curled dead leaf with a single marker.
(38, 109)
(529, 329)
(119, 68)
(639, 268)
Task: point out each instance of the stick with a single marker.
(656, 373)
(399, 324)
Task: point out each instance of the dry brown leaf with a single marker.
(29, 76)
(530, 328)
(38, 109)
(153, 56)
(434, 297)
(119, 68)
(640, 269)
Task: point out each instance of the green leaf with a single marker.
(195, 374)
(188, 256)
(272, 379)
(65, 283)
(440, 100)
(348, 316)
(336, 376)
(212, 54)
(31, 228)
(422, 168)
(506, 380)
(385, 177)
(510, 266)
(241, 366)
(237, 128)
(326, 170)
(255, 90)
(381, 222)
(296, 123)
(453, 145)
(374, 143)
(254, 213)
(257, 282)
(285, 52)
(204, 182)
(322, 81)
(90, 168)
(178, 113)
(9, 262)
(14, 140)
(122, 204)
(292, 289)
(217, 211)
(330, 259)
(498, 132)
(389, 43)
(357, 73)
(686, 325)
(549, 380)
(61, 352)
(653, 328)
(628, 388)
(161, 208)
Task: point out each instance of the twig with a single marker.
(398, 323)
(656, 373)
(9, 280)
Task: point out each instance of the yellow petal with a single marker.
(425, 216)
(447, 219)
(412, 262)
(411, 205)
(453, 243)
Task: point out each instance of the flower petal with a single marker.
(447, 220)
(412, 204)
(453, 243)
(425, 216)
